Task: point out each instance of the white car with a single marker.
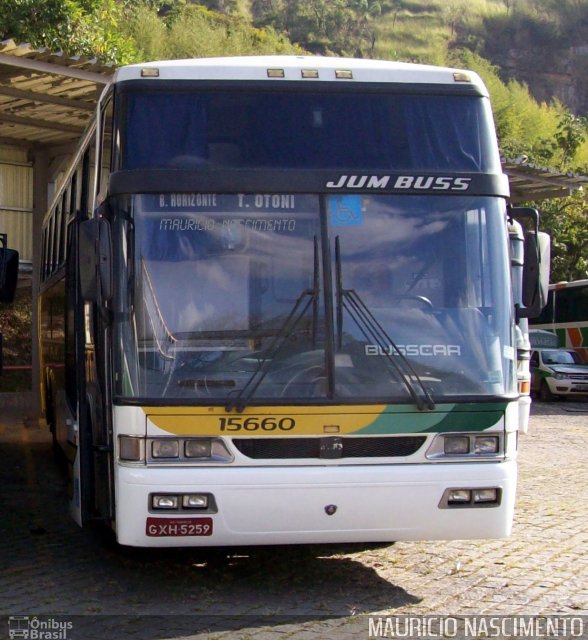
(558, 372)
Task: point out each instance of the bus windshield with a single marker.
(310, 129)
(248, 298)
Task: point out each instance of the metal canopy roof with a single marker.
(530, 182)
(46, 99)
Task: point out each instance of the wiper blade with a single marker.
(301, 306)
(368, 324)
(250, 387)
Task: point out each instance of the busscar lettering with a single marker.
(422, 350)
(401, 183)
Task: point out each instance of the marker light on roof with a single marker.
(309, 73)
(462, 77)
(276, 73)
(344, 74)
(149, 72)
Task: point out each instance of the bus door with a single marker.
(92, 464)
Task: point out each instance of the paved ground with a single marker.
(48, 567)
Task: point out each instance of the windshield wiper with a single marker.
(301, 306)
(368, 324)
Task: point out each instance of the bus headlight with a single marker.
(165, 501)
(466, 446)
(182, 502)
(486, 444)
(456, 445)
(173, 451)
(459, 496)
(165, 448)
(485, 496)
(198, 448)
(195, 501)
(470, 498)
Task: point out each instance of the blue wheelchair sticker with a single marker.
(345, 211)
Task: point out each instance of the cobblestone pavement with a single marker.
(48, 567)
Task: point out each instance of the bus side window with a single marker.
(105, 149)
(87, 179)
(71, 329)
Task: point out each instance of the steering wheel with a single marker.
(311, 375)
(419, 299)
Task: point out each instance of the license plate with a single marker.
(165, 527)
(581, 387)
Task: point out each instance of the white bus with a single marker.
(566, 315)
(280, 310)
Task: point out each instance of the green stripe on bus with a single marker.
(457, 417)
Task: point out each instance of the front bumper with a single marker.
(307, 505)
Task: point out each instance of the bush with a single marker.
(16, 329)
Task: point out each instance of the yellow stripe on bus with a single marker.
(318, 421)
(263, 421)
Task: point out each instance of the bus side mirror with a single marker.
(535, 274)
(8, 271)
(537, 258)
(95, 260)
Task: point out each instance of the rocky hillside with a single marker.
(542, 43)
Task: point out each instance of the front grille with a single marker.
(328, 448)
(581, 377)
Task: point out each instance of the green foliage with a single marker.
(461, 33)
(221, 6)
(548, 134)
(566, 220)
(42, 24)
(78, 27)
(343, 27)
(570, 135)
(192, 31)
(15, 325)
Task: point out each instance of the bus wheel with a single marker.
(545, 392)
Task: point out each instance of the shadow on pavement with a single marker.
(51, 569)
(559, 407)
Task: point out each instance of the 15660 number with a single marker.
(253, 423)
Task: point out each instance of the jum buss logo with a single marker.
(401, 183)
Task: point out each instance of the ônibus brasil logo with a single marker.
(35, 628)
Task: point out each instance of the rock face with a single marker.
(548, 52)
(561, 74)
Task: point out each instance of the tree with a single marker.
(192, 31)
(566, 220)
(78, 27)
(455, 13)
(344, 27)
(560, 150)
